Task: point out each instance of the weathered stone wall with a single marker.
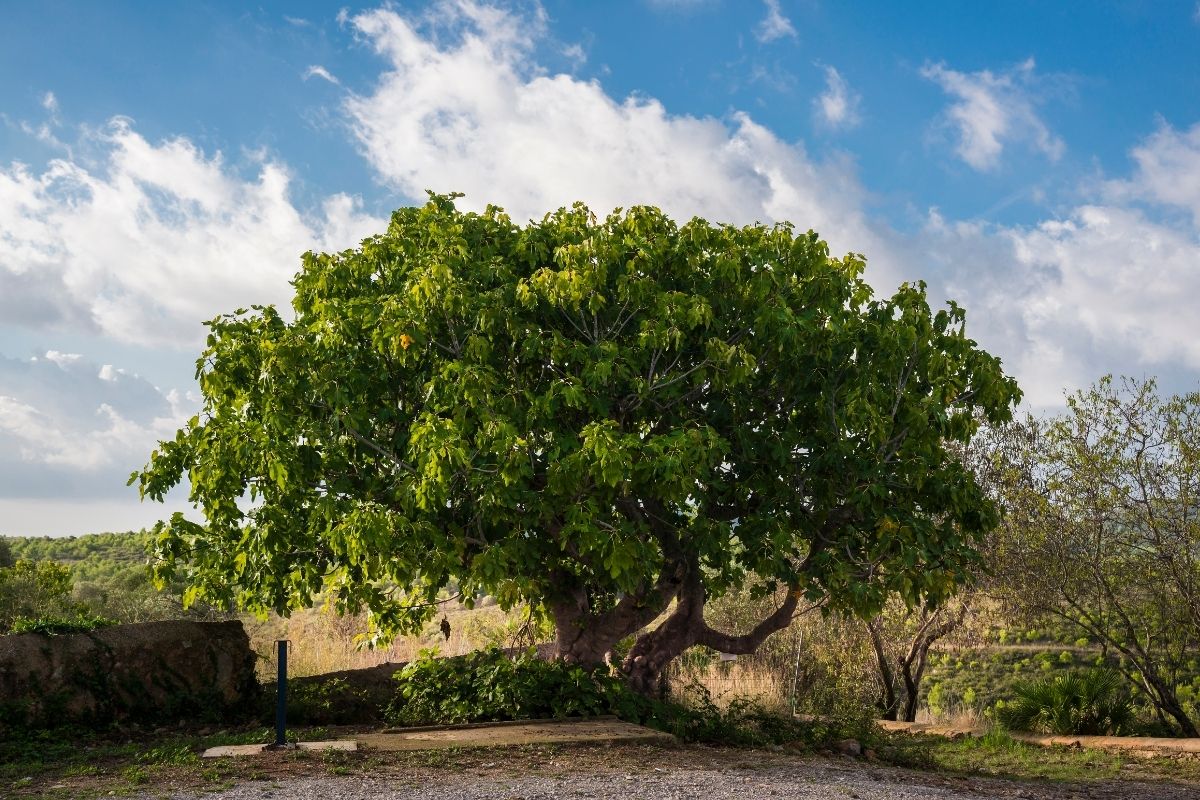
(148, 672)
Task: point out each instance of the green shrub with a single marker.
(488, 685)
(1082, 703)
(35, 589)
(80, 622)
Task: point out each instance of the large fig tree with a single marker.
(608, 420)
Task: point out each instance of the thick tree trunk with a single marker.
(587, 637)
(655, 649)
(584, 636)
(575, 640)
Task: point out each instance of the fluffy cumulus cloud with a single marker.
(1110, 286)
(128, 240)
(1106, 287)
(1168, 172)
(74, 427)
(146, 240)
(837, 106)
(141, 240)
(989, 110)
(465, 106)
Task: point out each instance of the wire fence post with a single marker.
(796, 673)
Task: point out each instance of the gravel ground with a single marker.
(808, 777)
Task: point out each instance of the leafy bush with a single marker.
(1082, 703)
(80, 622)
(488, 685)
(35, 589)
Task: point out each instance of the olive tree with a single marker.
(1103, 529)
(607, 419)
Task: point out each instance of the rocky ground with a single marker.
(621, 772)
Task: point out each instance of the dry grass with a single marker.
(728, 681)
(321, 641)
(957, 716)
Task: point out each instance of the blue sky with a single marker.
(162, 163)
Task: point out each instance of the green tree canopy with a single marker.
(35, 590)
(595, 417)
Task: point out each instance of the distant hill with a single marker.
(93, 556)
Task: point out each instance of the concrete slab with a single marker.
(223, 751)
(596, 731)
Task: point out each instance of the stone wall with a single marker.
(151, 672)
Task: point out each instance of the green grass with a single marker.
(78, 753)
(997, 754)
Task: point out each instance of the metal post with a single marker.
(796, 673)
(281, 697)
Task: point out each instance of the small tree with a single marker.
(1103, 528)
(599, 418)
(901, 638)
(34, 590)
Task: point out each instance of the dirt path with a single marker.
(629, 771)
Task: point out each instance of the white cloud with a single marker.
(317, 71)
(50, 102)
(1108, 287)
(63, 360)
(575, 54)
(837, 106)
(156, 238)
(775, 25)
(66, 422)
(470, 109)
(70, 434)
(1168, 171)
(1104, 289)
(990, 110)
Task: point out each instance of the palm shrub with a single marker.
(1094, 703)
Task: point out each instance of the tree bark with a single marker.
(686, 627)
(654, 649)
(1169, 703)
(584, 636)
(889, 703)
